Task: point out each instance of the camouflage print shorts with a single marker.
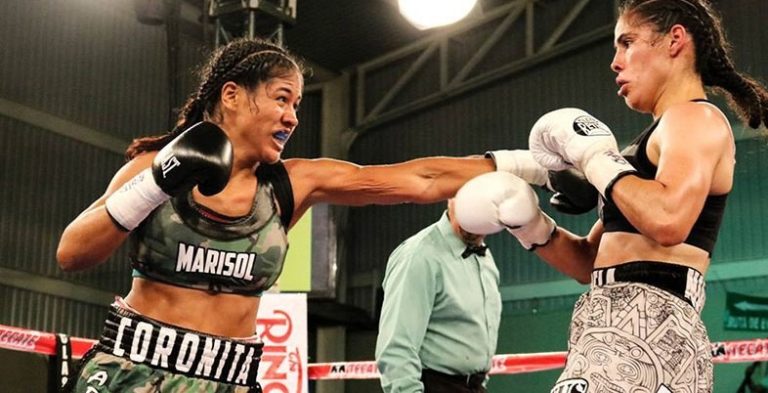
(108, 373)
(137, 354)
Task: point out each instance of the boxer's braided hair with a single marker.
(247, 62)
(747, 96)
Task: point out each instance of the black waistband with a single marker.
(470, 380)
(682, 281)
(197, 355)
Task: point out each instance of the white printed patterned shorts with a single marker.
(630, 337)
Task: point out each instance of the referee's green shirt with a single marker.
(440, 311)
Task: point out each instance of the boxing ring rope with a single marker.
(45, 343)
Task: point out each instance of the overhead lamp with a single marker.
(426, 14)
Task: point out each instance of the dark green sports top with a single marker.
(184, 244)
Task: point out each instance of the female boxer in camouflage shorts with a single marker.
(207, 207)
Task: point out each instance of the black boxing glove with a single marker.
(573, 194)
(201, 155)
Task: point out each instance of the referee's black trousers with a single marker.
(437, 382)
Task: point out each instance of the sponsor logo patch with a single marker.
(194, 259)
(590, 126)
(572, 385)
(184, 352)
(616, 157)
(168, 164)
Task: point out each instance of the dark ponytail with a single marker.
(746, 96)
(247, 62)
(189, 115)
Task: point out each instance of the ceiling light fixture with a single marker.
(426, 14)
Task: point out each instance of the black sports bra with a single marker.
(707, 225)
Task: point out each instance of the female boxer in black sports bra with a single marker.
(639, 326)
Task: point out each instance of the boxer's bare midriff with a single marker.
(220, 314)
(617, 248)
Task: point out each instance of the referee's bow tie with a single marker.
(473, 249)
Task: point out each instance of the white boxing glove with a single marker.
(521, 163)
(571, 137)
(494, 201)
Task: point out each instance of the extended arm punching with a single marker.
(423, 180)
(426, 180)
